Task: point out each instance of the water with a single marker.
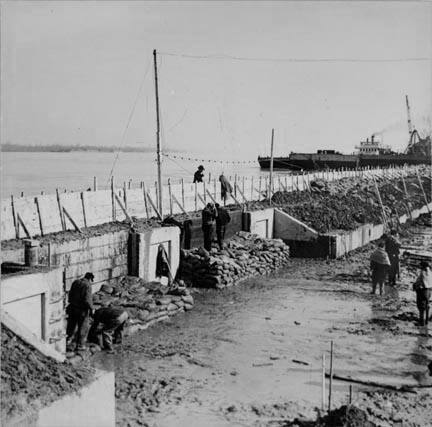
(32, 173)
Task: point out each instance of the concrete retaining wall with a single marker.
(287, 227)
(144, 249)
(35, 300)
(259, 222)
(92, 406)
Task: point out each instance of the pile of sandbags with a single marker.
(245, 255)
(146, 302)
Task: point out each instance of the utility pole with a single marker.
(158, 145)
(271, 167)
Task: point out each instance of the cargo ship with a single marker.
(371, 152)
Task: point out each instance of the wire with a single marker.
(123, 138)
(233, 162)
(178, 164)
(302, 60)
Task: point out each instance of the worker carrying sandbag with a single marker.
(108, 325)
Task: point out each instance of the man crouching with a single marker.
(108, 322)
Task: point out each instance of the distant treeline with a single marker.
(57, 148)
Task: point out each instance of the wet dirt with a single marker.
(30, 380)
(252, 354)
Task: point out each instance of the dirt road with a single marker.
(251, 354)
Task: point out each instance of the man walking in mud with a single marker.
(379, 264)
(423, 289)
(392, 247)
(79, 310)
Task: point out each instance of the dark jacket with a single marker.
(107, 315)
(208, 216)
(198, 176)
(223, 217)
(392, 246)
(80, 295)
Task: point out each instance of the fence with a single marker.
(44, 214)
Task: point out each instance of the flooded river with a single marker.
(262, 343)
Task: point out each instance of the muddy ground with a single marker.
(251, 354)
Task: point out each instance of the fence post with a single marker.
(113, 199)
(196, 197)
(95, 185)
(182, 191)
(170, 196)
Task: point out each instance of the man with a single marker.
(222, 219)
(379, 263)
(392, 246)
(226, 188)
(108, 322)
(423, 289)
(208, 220)
(79, 310)
(199, 175)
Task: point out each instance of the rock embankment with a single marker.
(146, 302)
(351, 202)
(245, 255)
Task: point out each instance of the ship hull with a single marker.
(306, 161)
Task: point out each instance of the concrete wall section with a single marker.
(36, 301)
(50, 213)
(145, 248)
(98, 207)
(93, 406)
(7, 227)
(287, 227)
(260, 222)
(26, 208)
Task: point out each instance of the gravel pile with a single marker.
(348, 203)
(30, 380)
(146, 302)
(245, 255)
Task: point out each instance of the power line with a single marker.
(232, 162)
(300, 60)
(123, 138)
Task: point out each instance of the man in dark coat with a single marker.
(208, 219)
(108, 322)
(222, 219)
(199, 175)
(379, 263)
(392, 246)
(423, 289)
(79, 310)
(226, 188)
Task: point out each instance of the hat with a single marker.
(424, 265)
(89, 276)
(201, 167)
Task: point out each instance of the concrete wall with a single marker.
(92, 406)
(287, 227)
(259, 222)
(36, 301)
(144, 249)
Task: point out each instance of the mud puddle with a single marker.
(260, 343)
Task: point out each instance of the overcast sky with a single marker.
(71, 72)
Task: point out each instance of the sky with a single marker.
(82, 73)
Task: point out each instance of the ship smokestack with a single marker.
(372, 138)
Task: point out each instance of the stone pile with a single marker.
(146, 302)
(245, 255)
(350, 202)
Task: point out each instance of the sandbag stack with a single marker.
(245, 255)
(146, 302)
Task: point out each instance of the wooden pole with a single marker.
(39, 216)
(113, 199)
(145, 200)
(271, 166)
(158, 143)
(14, 217)
(380, 201)
(83, 209)
(62, 220)
(95, 186)
(196, 197)
(125, 194)
(331, 376)
(182, 190)
(422, 189)
(68, 215)
(170, 196)
(323, 386)
(350, 394)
